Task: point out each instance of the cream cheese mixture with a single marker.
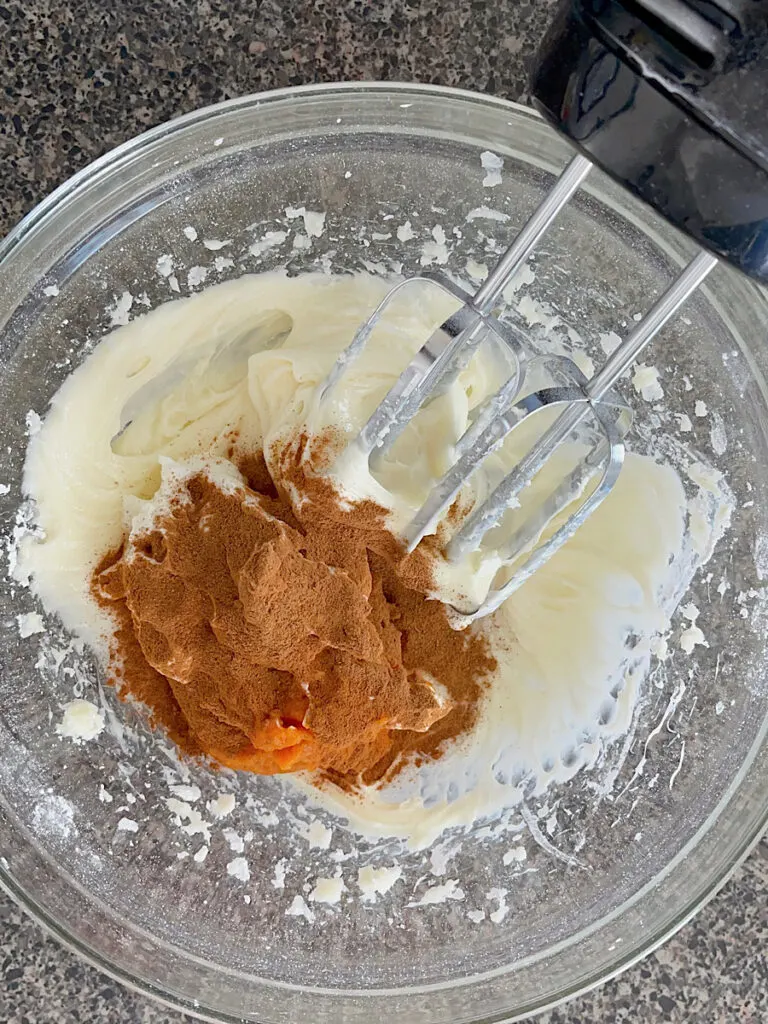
(572, 645)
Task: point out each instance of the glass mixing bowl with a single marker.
(668, 814)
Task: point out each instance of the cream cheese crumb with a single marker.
(684, 423)
(485, 213)
(34, 423)
(660, 647)
(195, 825)
(29, 624)
(450, 890)
(82, 721)
(609, 342)
(299, 908)
(692, 636)
(196, 276)
(501, 911)
(278, 879)
(717, 434)
(514, 856)
(319, 836)
(164, 265)
(524, 276)
(268, 240)
(185, 792)
(646, 383)
(492, 164)
(435, 251)
(238, 868)
(477, 271)
(223, 805)
(405, 232)
(119, 311)
(314, 220)
(535, 313)
(314, 223)
(374, 882)
(234, 839)
(327, 890)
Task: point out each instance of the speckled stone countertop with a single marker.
(77, 80)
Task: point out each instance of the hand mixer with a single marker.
(669, 98)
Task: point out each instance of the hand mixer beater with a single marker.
(668, 99)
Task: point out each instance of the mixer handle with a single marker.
(668, 97)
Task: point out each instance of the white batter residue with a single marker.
(81, 721)
(573, 644)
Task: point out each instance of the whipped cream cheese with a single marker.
(573, 643)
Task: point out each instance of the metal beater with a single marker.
(646, 91)
(449, 350)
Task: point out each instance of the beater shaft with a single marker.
(451, 346)
(532, 232)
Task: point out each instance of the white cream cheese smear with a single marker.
(572, 645)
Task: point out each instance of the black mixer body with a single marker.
(670, 97)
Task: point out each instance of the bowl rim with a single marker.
(115, 156)
(25, 228)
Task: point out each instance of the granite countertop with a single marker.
(77, 80)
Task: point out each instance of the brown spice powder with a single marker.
(278, 638)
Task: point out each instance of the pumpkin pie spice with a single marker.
(274, 635)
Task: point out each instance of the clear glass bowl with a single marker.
(688, 797)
